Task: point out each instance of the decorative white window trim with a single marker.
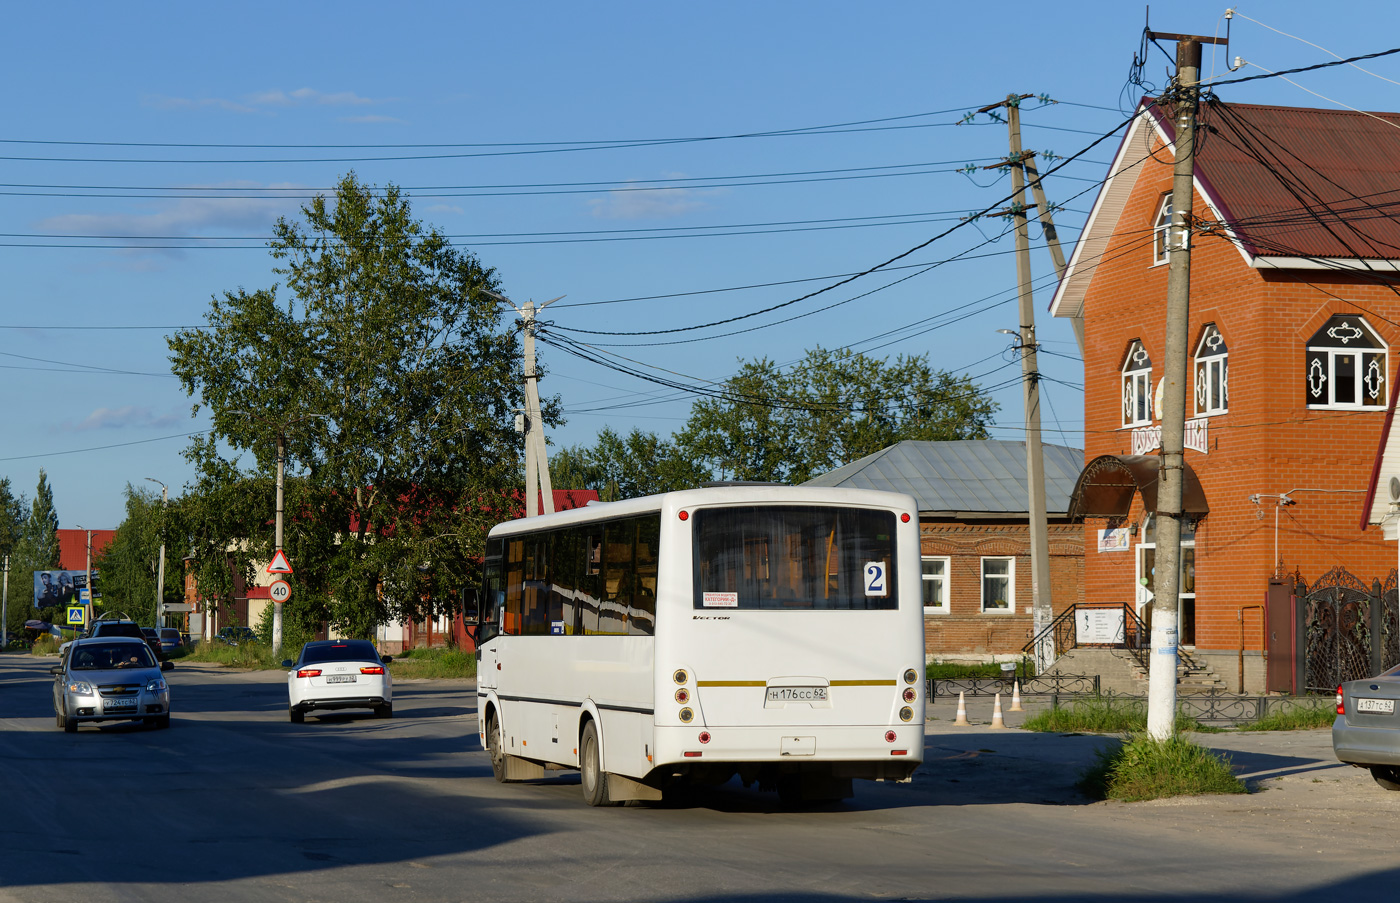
(1136, 384)
(1347, 366)
(1006, 581)
(936, 583)
(1212, 390)
(1161, 229)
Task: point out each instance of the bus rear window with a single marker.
(771, 557)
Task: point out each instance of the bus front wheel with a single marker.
(493, 744)
(590, 766)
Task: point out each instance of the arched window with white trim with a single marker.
(1212, 373)
(1161, 231)
(1137, 385)
(1347, 365)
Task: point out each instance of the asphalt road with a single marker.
(235, 803)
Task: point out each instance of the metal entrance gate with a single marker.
(1349, 630)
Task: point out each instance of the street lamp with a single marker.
(160, 576)
(281, 427)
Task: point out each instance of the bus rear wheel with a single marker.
(590, 766)
(493, 746)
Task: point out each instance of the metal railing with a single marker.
(1074, 685)
(1063, 633)
(1219, 709)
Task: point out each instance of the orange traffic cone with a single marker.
(996, 713)
(962, 710)
(1016, 697)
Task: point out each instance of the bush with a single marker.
(438, 662)
(1148, 769)
(1101, 714)
(45, 645)
(1297, 718)
(964, 671)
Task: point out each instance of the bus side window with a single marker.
(619, 537)
(641, 620)
(515, 587)
(590, 550)
(492, 596)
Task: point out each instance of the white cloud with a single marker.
(371, 119)
(649, 203)
(264, 101)
(129, 416)
(183, 217)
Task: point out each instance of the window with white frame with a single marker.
(1212, 373)
(935, 585)
(1347, 365)
(1161, 229)
(998, 583)
(1137, 386)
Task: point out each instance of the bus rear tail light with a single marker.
(704, 736)
(680, 676)
(309, 672)
(910, 695)
(376, 669)
(1341, 709)
(910, 676)
(904, 518)
(682, 696)
(684, 515)
(899, 752)
(891, 736)
(687, 716)
(693, 754)
(906, 714)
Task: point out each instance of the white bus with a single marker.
(771, 632)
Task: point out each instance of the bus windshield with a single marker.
(775, 557)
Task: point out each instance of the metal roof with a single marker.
(968, 476)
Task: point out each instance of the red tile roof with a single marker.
(1295, 182)
(72, 547)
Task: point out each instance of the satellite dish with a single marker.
(1395, 489)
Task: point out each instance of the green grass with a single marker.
(1102, 714)
(438, 663)
(253, 656)
(1148, 769)
(962, 671)
(1297, 718)
(45, 645)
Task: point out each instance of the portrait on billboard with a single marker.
(58, 587)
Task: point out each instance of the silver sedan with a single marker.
(110, 679)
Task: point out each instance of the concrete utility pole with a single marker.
(5, 607)
(277, 541)
(92, 599)
(160, 575)
(1042, 609)
(538, 487)
(1182, 99)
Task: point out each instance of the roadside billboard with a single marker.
(60, 588)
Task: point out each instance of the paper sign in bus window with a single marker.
(876, 583)
(721, 600)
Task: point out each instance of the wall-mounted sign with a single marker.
(1113, 540)
(1098, 626)
(1196, 438)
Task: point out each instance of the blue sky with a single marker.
(88, 395)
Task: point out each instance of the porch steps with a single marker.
(1191, 676)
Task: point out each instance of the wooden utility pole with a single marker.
(1181, 100)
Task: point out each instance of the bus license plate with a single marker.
(1384, 706)
(341, 679)
(797, 694)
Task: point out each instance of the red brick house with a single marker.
(1294, 310)
(975, 537)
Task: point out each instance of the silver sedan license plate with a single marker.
(341, 679)
(1383, 706)
(113, 705)
(797, 694)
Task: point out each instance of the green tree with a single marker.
(130, 564)
(35, 549)
(386, 367)
(12, 524)
(830, 409)
(623, 468)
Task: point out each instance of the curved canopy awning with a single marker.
(1106, 486)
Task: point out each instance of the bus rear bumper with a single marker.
(847, 751)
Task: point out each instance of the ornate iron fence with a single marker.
(1222, 709)
(1350, 631)
(1073, 685)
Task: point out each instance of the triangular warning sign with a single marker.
(279, 565)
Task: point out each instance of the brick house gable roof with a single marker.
(1341, 166)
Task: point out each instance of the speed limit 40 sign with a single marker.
(280, 591)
